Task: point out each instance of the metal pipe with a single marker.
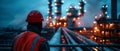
(85, 45)
(74, 45)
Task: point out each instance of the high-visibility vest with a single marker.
(28, 41)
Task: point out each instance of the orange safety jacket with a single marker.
(28, 41)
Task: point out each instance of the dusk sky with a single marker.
(14, 12)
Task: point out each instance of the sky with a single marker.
(14, 12)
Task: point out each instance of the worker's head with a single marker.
(34, 20)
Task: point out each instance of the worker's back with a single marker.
(30, 41)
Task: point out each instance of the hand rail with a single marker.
(73, 45)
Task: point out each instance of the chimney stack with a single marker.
(114, 9)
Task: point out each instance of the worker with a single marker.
(31, 39)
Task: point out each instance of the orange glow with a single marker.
(103, 40)
(102, 32)
(80, 31)
(50, 17)
(95, 28)
(95, 38)
(64, 18)
(69, 14)
(65, 24)
(107, 33)
(94, 22)
(61, 18)
(119, 34)
(111, 25)
(79, 13)
(107, 25)
(78, 18)
(74, 19)
(101, 24)
(91, 31)
(84, 28)
(54, 23)
(100, 40)
(80, 7)
(59, 23)
(51, 24)
(96, 17)
(78, 23)
(95, 31)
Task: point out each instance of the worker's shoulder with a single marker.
(29, 33)
(26, 34)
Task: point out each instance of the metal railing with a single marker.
(85, 45)
(58, 45)
(71, 45)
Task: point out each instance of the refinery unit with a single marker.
(107, 29)
(104, 28)
(67, 21)
(65, 33)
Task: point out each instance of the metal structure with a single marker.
(58, 4)
(114, 9)
(72, 15)
(104, 12)
(50, 8)
(81, 5)
(107, 30)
